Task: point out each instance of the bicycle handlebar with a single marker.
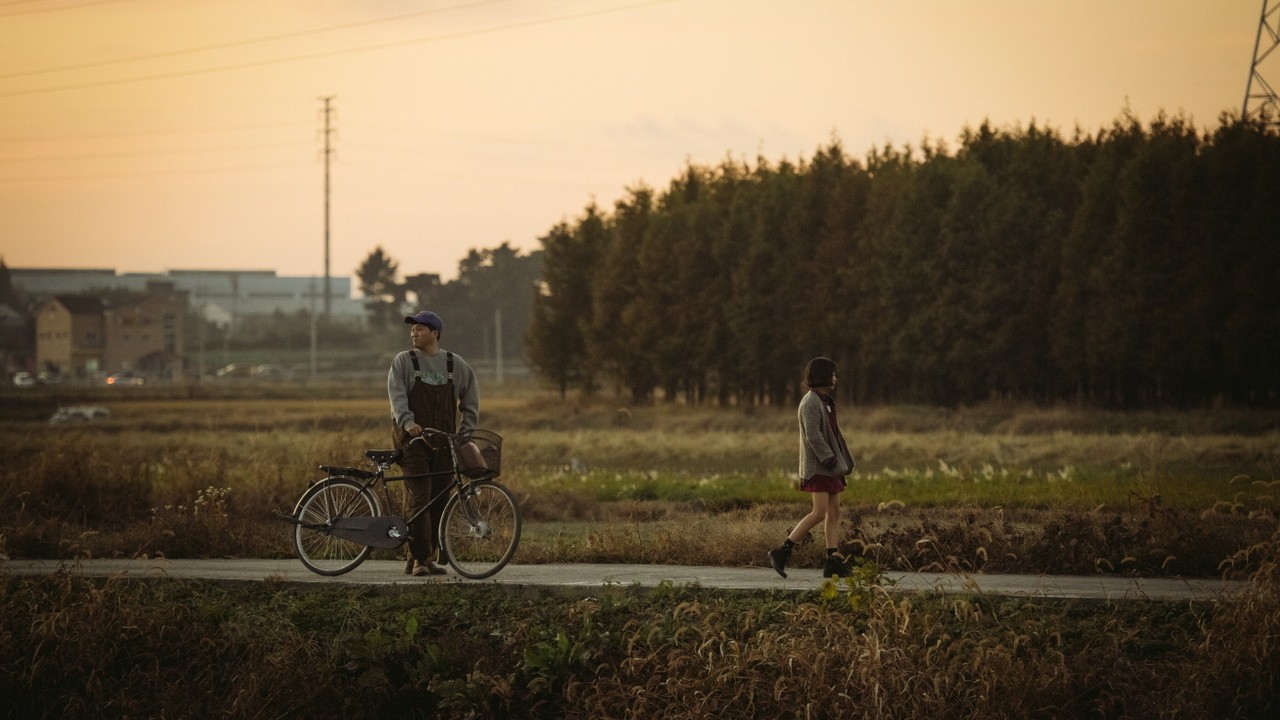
(432, 432)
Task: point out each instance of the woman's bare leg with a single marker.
(832, 519)
(815, 516)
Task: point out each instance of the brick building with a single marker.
(80, 337)
(146, 336)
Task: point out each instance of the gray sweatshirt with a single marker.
(433, 371)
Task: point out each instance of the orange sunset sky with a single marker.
(148, 135)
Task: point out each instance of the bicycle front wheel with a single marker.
(480, 529)
(323, 503)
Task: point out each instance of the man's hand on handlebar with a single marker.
(420, 433)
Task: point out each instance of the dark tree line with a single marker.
(485, 309)
(1136, 266)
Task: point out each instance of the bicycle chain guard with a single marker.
(378, 532)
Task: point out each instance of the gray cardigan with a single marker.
(818, 440)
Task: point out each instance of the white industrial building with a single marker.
(230, 295)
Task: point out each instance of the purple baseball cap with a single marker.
(426, 317)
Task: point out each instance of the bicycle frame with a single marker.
(380, 476)
(339, 520)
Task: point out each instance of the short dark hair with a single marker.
(820, 372)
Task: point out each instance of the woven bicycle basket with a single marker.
(489, 458)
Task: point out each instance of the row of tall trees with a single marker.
(486, 308)
(1139, 265)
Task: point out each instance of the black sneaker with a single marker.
(778, 558)
(835, 566)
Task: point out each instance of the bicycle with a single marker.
(338, 521)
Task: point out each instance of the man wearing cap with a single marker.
(429, 388)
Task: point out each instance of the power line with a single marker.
(152, 153)
(147, 133)
(155, 133)
(109, 176)
(334, 53)
(34, 11)
(240, 43)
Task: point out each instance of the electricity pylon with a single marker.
(1260, 101)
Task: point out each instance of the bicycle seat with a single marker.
(382, 456)
(347, 472)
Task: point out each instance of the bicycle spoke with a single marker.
(319, 550)
(481, 529)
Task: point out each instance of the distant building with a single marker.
(78, 336)
(70, 335)
(146, 336)
(234, 294)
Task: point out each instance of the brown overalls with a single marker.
(433, 406)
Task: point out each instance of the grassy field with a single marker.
(196, 473)
(191, 472)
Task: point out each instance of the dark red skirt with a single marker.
(823, 483)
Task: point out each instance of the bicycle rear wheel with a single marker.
(480, 529)
(320, 505)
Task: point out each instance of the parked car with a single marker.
(273, 372)
(125, 378)
(78, 414)
(24, 379)
(233, 371)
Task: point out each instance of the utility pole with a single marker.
(312, 376)
(328, 152)
(497, 334)
(1261, 103)
(199, 336)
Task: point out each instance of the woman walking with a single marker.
(824, 463)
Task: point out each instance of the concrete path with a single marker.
(582, 579)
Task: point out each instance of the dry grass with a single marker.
(995, 488)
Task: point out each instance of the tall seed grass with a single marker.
(174, 649)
